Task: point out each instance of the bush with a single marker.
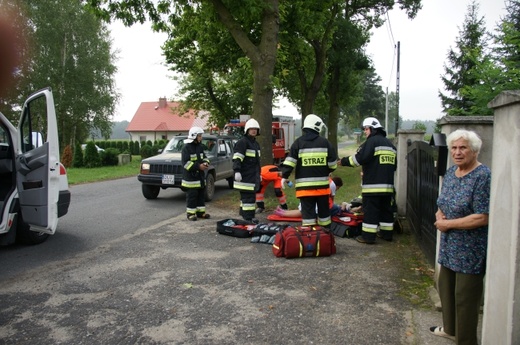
(91, 158)
(77, 160)
(146, 151)
(156, 148)
(109, 157)
(66, 157)
(136, 148)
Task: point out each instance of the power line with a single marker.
(394, 48)
(389, 28)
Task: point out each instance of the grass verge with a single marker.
(414, 274)
(84, 175)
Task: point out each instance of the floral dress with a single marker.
(464, 251)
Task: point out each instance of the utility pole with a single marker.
(397, 87)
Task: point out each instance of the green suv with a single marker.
(165, 169)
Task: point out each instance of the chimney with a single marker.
(162, 102)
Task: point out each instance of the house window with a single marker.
(164, 137)
(142, 138)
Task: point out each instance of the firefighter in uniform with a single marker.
(313, 158)
(246, 164)
(378, 158)
(195, 163)
(270, 173)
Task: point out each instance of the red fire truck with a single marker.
(282, 130)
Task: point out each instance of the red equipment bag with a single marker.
(302, 241)
(346, 224)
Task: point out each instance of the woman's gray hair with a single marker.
(474, 141)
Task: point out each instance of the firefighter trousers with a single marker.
(195, 201)
(377, 213)
(247, 205)
(309, 205)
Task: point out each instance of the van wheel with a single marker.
(150, 192)
(209, 191)
(25, 236)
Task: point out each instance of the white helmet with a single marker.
(313, 122)
(252, 123)
(371, 122)
(192, 135)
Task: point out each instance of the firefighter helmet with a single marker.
(313, 122)
(371, 122)
(192, 134)
(252, 123)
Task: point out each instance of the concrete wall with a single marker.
(501, 322)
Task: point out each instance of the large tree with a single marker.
(70, 51)
(253, 25)
(310, 31)
(507, 39)
(325, 56)
(501, 70)
(461, 67)
(215, 75)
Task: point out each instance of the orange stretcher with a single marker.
(276, 218)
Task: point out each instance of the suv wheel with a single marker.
(209, 191)
(150, 192)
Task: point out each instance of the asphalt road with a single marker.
(99, 212)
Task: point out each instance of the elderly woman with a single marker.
(462, 219)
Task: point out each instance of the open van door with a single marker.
(37, 162)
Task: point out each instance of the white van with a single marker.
(33, 183)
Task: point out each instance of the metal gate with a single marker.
(426, 163)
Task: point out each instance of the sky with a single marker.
(424, 43)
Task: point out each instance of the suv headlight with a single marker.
(145, 168)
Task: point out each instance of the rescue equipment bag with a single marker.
(299, 241)
(346, 224)
(235, 227)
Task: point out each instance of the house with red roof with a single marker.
(161, 120)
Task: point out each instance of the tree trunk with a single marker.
(263, 59)
(333, 119)
(263, 110)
